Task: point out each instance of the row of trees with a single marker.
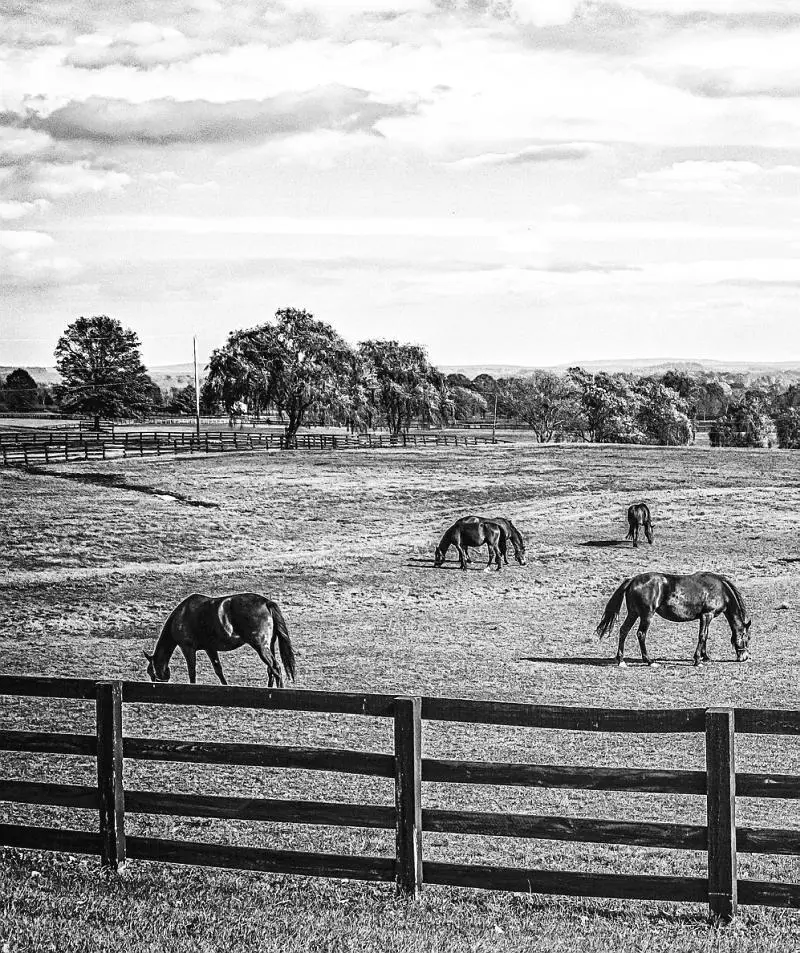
(306, 371)
(303, 370)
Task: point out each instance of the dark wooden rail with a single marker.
(31, 447)
(719, 784)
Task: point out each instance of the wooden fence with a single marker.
(31, 447)
(719, 784)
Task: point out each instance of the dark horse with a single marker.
(703, 596)
(639, 515)
(214, 624)
(473, 531)
(512, 534)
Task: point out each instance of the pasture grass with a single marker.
(344, 542)
(62, 904)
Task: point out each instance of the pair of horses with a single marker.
(495, 532)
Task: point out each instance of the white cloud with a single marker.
(11, 211)
(24, 241)
(696, 176)
(552, 152)
(727, 176)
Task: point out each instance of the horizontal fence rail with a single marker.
(111, 802)
(32, 447)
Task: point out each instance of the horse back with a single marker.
(220, 622)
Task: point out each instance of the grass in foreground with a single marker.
(61, 903)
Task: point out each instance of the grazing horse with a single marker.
(214, 624)
(473, 531)
(703, 596)
(639, 515)
(512, 534)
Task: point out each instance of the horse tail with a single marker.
(737, 596)
(612, 610)
(284, 642)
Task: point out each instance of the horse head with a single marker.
(740, 640)
(519, 553)
(438, 556)
(157, 674)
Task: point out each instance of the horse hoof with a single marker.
(621, 663)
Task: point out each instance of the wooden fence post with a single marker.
(721, 811)
(109, 773)
(408, 793)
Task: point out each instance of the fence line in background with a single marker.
(43, 447)
(719, 784)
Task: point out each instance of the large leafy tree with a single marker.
(542, 400)
(101, 370)
(607, 407)
(20, 391)
(745, 424)
(663, 414)
(297, 364)
(406, 385)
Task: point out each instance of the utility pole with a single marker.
(494, 421)
(196, 392)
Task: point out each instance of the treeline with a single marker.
(301, 370)
(661, 409)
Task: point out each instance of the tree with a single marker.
(607, 407)
(541, 400)
(746, 424)
(20, 391)
(101, 370)
(787, 424)
(405, 384)
(663, 414)
(298, 364)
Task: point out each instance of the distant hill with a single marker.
(784, 369)
(179, 375)
(166, 376)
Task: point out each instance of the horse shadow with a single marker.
(416, 562)
(604, 543)
(610, 660)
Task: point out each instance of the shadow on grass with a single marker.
(604, 543)
(610, 660)
(419, 562)
(118, 482)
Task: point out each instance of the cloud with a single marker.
(140, 45)
(706, 176)
(555, 152)
(170, 121)
(13, 210)
(27, 262)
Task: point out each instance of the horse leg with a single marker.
(635, 536)
(644, 625)
(267, 657)
(190, 655)
(462, 556)
(212, 654)
(467, 556)
(700, 653)
(625, 628)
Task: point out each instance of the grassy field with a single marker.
(97, 555)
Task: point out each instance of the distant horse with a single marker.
(512, 534)
(639, 515)
(473, 531)
(702, 595)
(214, 624)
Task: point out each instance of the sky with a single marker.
(504, 181)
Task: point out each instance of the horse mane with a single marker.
(737, 597)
